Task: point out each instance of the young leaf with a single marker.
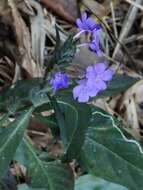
(10, 138)
(47, 175)
(64, 53)
(90, 182)
(109, 154)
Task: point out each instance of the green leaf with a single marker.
(50, 121)
(26, 187)
(60, 119)
(23, 155)
(48, 175)
(10, 138)
(3, 186)
(118, 84)
(77, 117)
(4, 120)
(22, 93)
(64, 53)
(90, 182)
(109, 154)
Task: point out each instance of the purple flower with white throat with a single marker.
(98, 74)
(59, 80)
(94, 45)
(87, 23)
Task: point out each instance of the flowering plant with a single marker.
(91, 138)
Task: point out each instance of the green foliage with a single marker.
(10, 138)
(90, 136)
(107, 153)
(65, 52)
(26, 187)
(23, 94)
(118, 84)
(90, 182)
(77, 118)
(73, 119)
(47, 175)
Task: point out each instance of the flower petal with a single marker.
(90, 23)
(107, 75)
(65, 80)
(76, 91)
(83, 98)
(93, 91)
(97, 28)
(84, 16)
(79, 24)
(90, 73)
(100, 67)
(101, 85)
(81, 92)
(94, 46)
(59, 80)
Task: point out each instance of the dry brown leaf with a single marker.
(95, 7)
(136, 91)
(130, 110)
(24, 42)
(65, 8)
(24, 6)
(7, 68)
(99, 9)
(38, 34)
(107, 4)
(131, 117)
(3, 5)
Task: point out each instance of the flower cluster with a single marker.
(87, 24)
(95, 81)
(59, 80)
(96, 75)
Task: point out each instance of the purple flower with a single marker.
(59, 80)
(83, 92)
(87, 23)
(95, 81)
(98, 74)
(94, 45)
